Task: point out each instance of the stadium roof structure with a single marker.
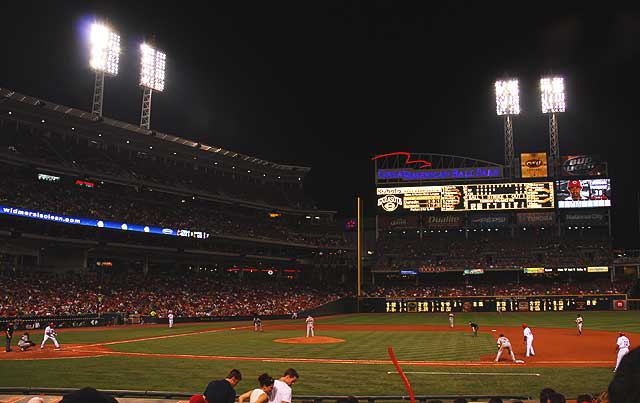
(130, 129)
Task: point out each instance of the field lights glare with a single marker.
(552, 94)
(507, 97)
(105, 49)
(152, 65)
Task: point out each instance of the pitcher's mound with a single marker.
(310, 340)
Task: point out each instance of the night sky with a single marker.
(331, 84)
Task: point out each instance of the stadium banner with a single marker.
(93, 222)
(533, 165)
(447, 221)
(405, 222)
(581, 165)
(536, 219)
(585, 218)
(583, 193)
(525, 303)
(487, 196)
(489, 220)
(410, 174)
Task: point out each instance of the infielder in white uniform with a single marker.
(579, 324)
(622, 345)
(451, 320)
(170, 316)
(310, 326)
(50, 333)
(504, 344)
(528, 339)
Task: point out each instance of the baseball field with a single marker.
(347, 356)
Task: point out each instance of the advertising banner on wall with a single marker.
(489, 220)
(585, 218)
(446, 221)
(582, 165)
(404, 222)
(581, 193)
(536, 219)
(533, 165)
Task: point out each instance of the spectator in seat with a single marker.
(545, 394)
(584, 399)
(282, 392)
(261, 394)
(222, 391)
(87, 395)
(624, 387)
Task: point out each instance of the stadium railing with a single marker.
(297, 398)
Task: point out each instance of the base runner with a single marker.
(504, 344)
(451, 317)
(50, 333)
(622, 346)
(170, 317)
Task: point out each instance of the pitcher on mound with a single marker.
(310, 321)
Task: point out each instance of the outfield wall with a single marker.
(524, 303)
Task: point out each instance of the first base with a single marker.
(519, 362)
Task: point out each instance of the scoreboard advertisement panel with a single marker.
(479, 197)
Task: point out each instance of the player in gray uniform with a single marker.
(24, 343)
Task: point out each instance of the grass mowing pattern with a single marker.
(359, 345)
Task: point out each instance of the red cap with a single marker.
(197, 399)
(574, 184)
(621, 333)
(524, 325)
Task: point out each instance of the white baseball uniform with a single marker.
(450, 320)
(579, 324)
(170, 316)
(623, 348)
(310, 326)
(529, 335)
(504, 343)
(50, 333)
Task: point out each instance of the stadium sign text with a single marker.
(409, 174)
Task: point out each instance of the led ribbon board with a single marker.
(92, 222)
(480, 197)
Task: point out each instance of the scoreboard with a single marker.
(478, 197)
(547, 303)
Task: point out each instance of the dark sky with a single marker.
(330, 84)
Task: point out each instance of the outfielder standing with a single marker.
(451, 320)
(310, 321)
(170, 316)
(528, 339)
(504, 344)
(579, 324)
(257, 323)
(622, 345)
(50, 333)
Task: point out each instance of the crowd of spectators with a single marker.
(503, 251)
(128, 162)
(193, 295)
(143, 206)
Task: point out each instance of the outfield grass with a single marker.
(183, 374)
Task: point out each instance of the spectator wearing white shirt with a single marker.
(261, 394)
(282, 392)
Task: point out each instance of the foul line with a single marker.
(469, 373)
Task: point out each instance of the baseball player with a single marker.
(170, 316)
(622, 346)
(24, 343)
(579, 324)
(451, 320)
(528, 339)
(504, 344)
(50, 333)
(474, 327)
(575, 191)
(310, 321)
(257, 323)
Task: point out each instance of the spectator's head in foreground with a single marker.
(624, 387)
(557, 398)
(460, 400)
(584, 399)
(290, 376)
(266, 383)
(87, 395)
(495, 400)
(234, 377)
(545, 394)
(348, 399)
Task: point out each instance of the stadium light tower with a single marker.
(105, 57)
(552, 98)
(507, 105)
(152, 65)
